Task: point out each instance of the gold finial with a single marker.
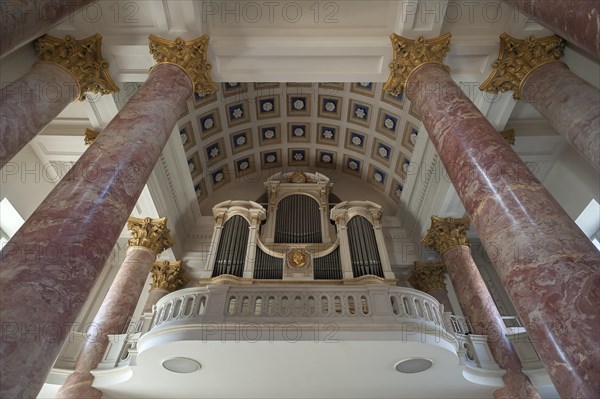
(516, 60)
(409, 54)
(509, 136)
(150, 233)
(90, 136)
(190, 55)
(446, 233)
(428, 276)
(168, 275)
(80, 58)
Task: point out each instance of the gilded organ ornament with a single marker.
(409, 54)
(517, 59)
(428, 276)
(169, 276)
(190, 55)
(82, 59)
(150, 233)
(446, 233)
(297, 259)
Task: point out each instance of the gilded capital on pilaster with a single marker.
(409, 54)
(80, 58)
(446, 233)
(150, 233)
(168, 275)
(517, 58)
(90, 136)
(190, 55)
(428, 276)
(509, 136)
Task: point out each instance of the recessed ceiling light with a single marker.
(411, 366)
(181, 365)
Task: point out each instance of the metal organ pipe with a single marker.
(231, 253)
(298, 220)
(363, 248)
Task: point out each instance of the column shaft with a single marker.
(345, 257)
(116, 309)
(51, 263)
(154, 295)
(251, 250)
(569, 103)
(577, 21)
(28, 104)
(25, 20)
(540, 254)
(477, 304)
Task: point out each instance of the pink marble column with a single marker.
(22, 21)
(449, 238)
(118, 305)
(577, 21)
(49, 266)
(550, 269)
(68, 69)
(27, 105)
(569, 103)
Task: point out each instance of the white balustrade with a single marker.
(351, 305)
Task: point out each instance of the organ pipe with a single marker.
(298, 220)
(231, 253)
(328, 267)
(363, 248)
(267, 266)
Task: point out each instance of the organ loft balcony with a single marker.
(296, 287)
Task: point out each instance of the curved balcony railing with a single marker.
(344, 305)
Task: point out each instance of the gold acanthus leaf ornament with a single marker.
(82, 59)
(169, 276)
(409, 54)
(89, 136)
(509, 136)
(517, 59)
(190, 55)
(150, 233)
(428, 276)
(446, 233)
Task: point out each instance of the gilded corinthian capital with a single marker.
(409, 54)
(428, 276)
(80, 58)
(150, 233)
(516, 60)
(446, 233)
(89, 136)
(190, 55)
(168, 276)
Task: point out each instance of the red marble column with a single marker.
(27, 105)
(577, 21)
(68, 69)
(50, 265)
(24, 20)
(549, 267)
(151, 237)
(569, 103)
(449, 238)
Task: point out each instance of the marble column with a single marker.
(26, 20)
(167, 276)
(68, 68)
(449, 238)
(577, 21)
(50, 265)
(430, 277)
(530, 68)
(149, 238)
(549, 268)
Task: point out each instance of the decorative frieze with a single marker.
(409, 54)
(446, 233)
(517, 58)
(150, 233)
(82, 59)
(190, 55)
